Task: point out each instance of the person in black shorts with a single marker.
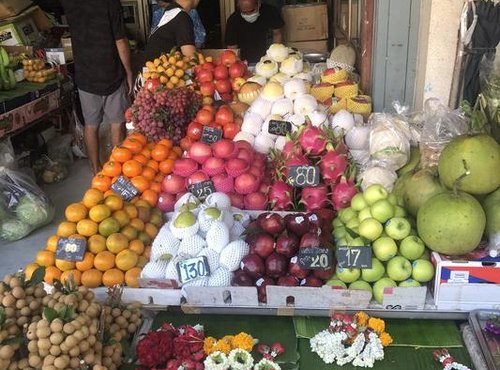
(174, 30)
(102, 68)
(252, 28)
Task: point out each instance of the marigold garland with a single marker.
(361, 318)
(226, 344)
(377, 325)
(209, 345)
(243, 341)
(385, 338)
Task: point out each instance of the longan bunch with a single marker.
(8, 329)
(111, 356)
(82, 300)
(123, 321)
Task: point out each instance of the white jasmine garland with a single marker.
(216, 361)
(266, 364)
(239, 359)
(329, 345)
(455, 366)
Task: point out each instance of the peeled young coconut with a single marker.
(294, 88)
(277, 52)
(292, 65)
(266, 68)
(261, 80)
(272, 91)
(317, 117)
(342, 121)
(249, 91)
(262, 107)
(280, 78)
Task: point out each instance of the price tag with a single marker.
(124, 188)
(355, 257)
(192, 269)
(303, 176)
(315, 258)
(211, 135)
(71, 249)
(202, 189)
(280, 128)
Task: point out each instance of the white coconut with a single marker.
(252, 123)
(263, 143)
(245, 136)
(317, 117)
(305, 104)
(282, 107)
(295, 88)
(262, 107)
(378, 175)
(266, 68)
(277, 52)
(342, 121)
(292, 65)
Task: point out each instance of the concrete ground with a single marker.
(15, 255)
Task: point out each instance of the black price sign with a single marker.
(192, 269)
(211, 135)
(71, 249)
(354, 257)
(202, 189)
(124, 188)
(280, 128)
(303, 176)
(315, 258)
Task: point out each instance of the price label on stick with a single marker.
(303, 176)
(280, 128)
(202, 189)
(354, 257)
(210, 135)
(123, 187)
(71, 249)
(315, 258)
(193, 269)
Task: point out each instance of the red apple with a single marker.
(207, 88)
(205, 76)
(226, 97)
(208, 66)
(223, 86)
(237, 69)
(330, 71)
(228, 57)
(221, 72)
(237, 83)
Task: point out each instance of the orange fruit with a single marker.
(109, 226)
(140, 182)
(92, 197)
(121, 154)
(156, 217)
(167, 166)
(132, 168)
(146, 239)
(87, 227)
(30, 269)
(136, 246)
(160, 152)
(134, 145)
(143, 203)
(112, 169)
(64, 265)
(155, 186)
(148, 173)
(159, 177)
(177, 150)
(151, 230)
(104, 261)
(75, 212)
(166, 143)
(137, 224)
(114, 202)
(74, 274)
(142, 159)
(146, 152)
(153, 165)
(130, 232)
(147, 252)
(113, 277)
(92, 278)
(173, 155)
(101, 182)
(122, 217)
(52, 273)
(126, 259)
(99, 212)
(132, 276)
(139, 137)
(87, 263)
(96, 244)
(131, 210)
(150, 196)
(142, 261)
(116, 243)
(45, 258)
(144, 214)
(65, 229)
(52, 243)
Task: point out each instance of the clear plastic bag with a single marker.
(49, 171)
(489, 99)
(24, 207)
(59, 149)
(7, 155)
(441, 125)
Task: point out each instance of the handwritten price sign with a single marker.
(303, 176)
(71, 249)
(192, 269)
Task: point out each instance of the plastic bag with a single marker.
(59, 149)
(49, 171)
(489, 99)
(441, 125)
(7, 155)
(24, 207)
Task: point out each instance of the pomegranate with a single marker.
(223, 148)
(223, 183)
(185, 167)
(236, 166)
(255, 201)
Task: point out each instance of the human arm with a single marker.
(184, 35)
(123, 48)
(277, 25)
(231, 36)
(278, 36)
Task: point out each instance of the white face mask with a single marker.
(251, 18)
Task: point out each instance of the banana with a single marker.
(5, 57)
(12, 78)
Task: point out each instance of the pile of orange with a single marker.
(170, 69)
(144, 164)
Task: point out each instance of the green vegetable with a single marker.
(32, 211)
(14, 229)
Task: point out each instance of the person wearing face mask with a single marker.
(252, 28)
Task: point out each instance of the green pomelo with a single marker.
(412, 163)
(480, 154)
(491, 207)
(451, 223)
(419, 188)
(400, 187)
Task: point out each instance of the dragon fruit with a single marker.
(315, 197)
(343, 193)
(333, 165)
(313, 140)
(280, 196)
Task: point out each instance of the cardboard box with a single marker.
(11, 8)
(307, 22)
(20, 30)
(320, 46)
(466, 284)
(68, 48)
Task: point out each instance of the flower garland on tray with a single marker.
(448, 362)
(234, 353)
(493, 325)
(358, 339)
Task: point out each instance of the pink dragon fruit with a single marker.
(343, 193)
(313, 140)
(291, 149)
(315, 197)
(280, 196)
(333, 165)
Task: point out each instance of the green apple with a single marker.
(379, 287)
(353, 223)
(213, 213)
(399, 211)
(412, 247)
(384, 248)
(382, 210)
(342, 242)
(356, 242)
(364, 214)
(374, 273)
(358, 202)
(408, 283)
(423, 271)
(185, 219)
(346, 214)
(339, 232)
(336, 283)
(426, 255)
(361, 285)
(370, 229)
(399, 268)
(398, 228)
(348, 275)
(337, 222)
(375, 192)
(393, 199)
